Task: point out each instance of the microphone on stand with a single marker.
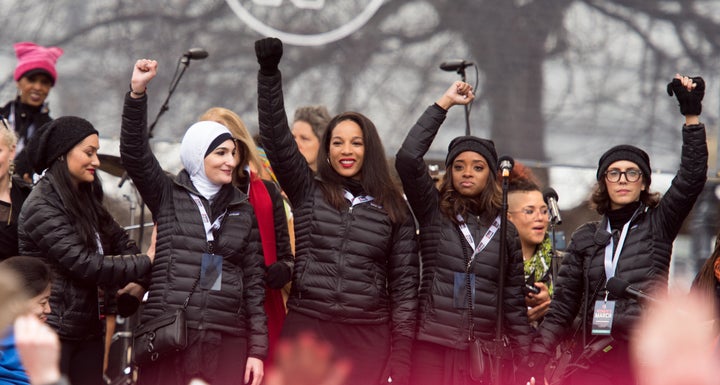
(455, 64)
(551, 198)
(458, 65)
(506, 164)
(196, 54)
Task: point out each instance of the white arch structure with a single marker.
(305, 40)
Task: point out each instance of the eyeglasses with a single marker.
(530, 213)
(631, 175)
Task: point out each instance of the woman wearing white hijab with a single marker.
(208, 256)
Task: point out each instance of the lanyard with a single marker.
(357, 200)
(611, 260)
(483, 243)
(209, 227)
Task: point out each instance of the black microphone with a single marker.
(622, 289)
(456, 64)
(196, 54)
(551, 198)
(505, 165)
(127, 304)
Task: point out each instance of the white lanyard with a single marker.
(611, 260)
(209, 228)
(485, 240)
(357, 200)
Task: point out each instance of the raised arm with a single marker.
(137, 158)
(417, 183)
(291, 168)
(692, 174)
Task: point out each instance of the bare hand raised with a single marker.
(458, 93)
(143, 71)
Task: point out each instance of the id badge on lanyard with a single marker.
(211, 266)
(464, 282)
(604, 311)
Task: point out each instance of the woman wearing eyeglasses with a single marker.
(632, 242)
(528, 211)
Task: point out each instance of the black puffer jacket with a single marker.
(444, 251)
(9, 229)
(23, 117)
(353, 266)
(46, 231)
(645, 258)
(237, 308)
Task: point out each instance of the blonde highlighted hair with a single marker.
(7, 134)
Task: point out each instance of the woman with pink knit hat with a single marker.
(34, 75)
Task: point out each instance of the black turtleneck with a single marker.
(354, 186)
(619, 217)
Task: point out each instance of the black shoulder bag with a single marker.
(161, 336)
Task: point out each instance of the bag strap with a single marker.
(192, 290)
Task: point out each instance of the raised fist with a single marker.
(268, 51)
(689, 92)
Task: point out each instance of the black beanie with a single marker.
(56, 138)
(625, 152)
(484, 147)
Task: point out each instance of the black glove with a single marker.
(534, 367)
(398, 366)
(690, 101)
(278, 274)
(268, 51)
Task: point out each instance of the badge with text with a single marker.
(461, 300)
(211, 271)
(603, 318)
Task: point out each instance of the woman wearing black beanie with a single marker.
(64, 222)
(460, 255)
(632, 242)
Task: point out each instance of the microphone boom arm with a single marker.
(185, 62)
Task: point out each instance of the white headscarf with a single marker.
(194, 145)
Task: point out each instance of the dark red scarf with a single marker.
(274, 307)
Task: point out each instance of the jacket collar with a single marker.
(602, 236)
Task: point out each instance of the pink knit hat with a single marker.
(36, 58)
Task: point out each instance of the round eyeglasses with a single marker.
(631, 175)
(531, 213)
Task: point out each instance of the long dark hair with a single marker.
(453, 203)
(600, 199)
(375, 176)
(705, 281)
(83, 203)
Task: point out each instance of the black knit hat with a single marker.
(484, 147)
(625, 152)
(55, 139)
